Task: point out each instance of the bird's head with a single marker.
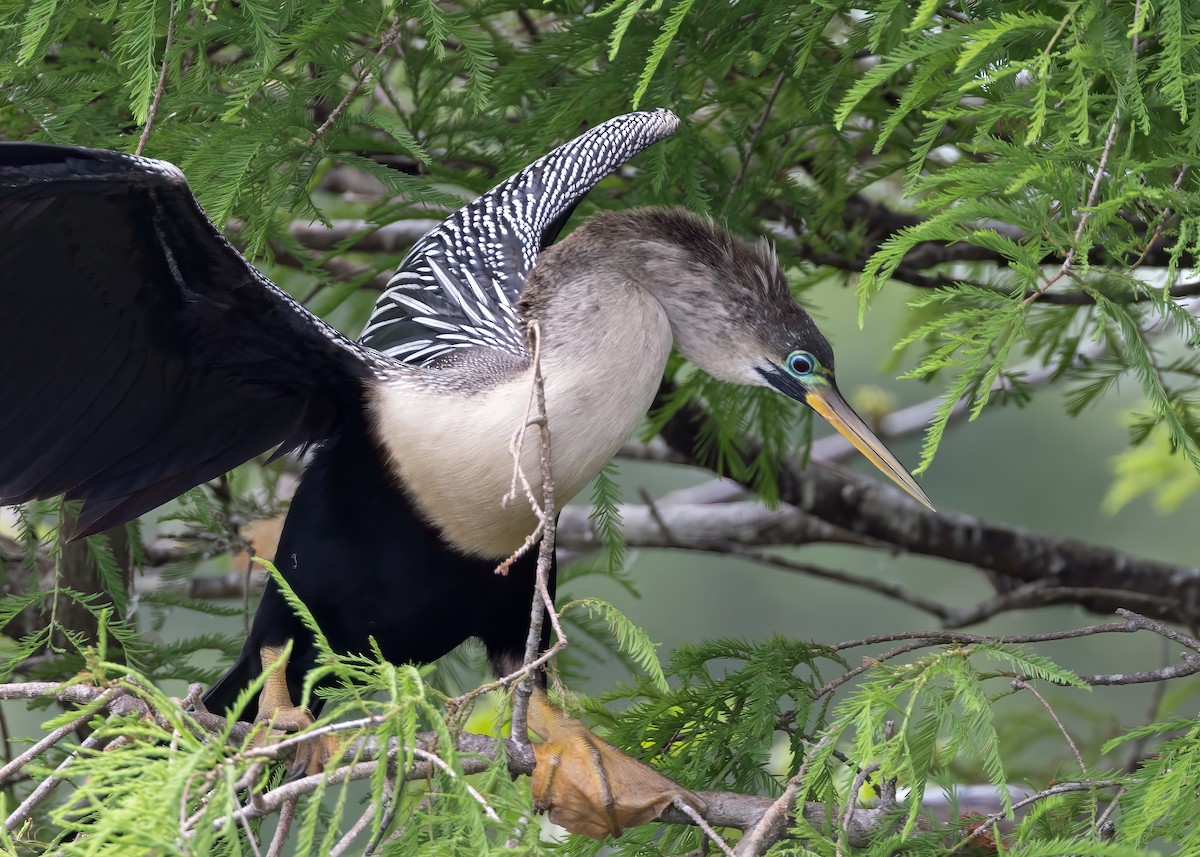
(786, 351)
(733, 315)
(801, 367)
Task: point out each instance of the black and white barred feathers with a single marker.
(459, 285)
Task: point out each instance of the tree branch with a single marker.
(162, 82)
(1058, 570)
(1109, 577)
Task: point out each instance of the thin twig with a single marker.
(1108, 811)
(268, 802)
(657, 517)
(271, 751)
(282, 828)
(162, 83)
(5, 739)
(516, 445)
(1021, 684)
(936, 637)
(1042, 593)
(439, 763)
(1162, 221)
(756, 132)
(250, 837)
(390, 37)
(529, 25)
(1133, 622)
(206, 780)
(883, 587)
(390, 805)
(851, 805)
(58, 734)
(343, 844)
(924, 639)
(1089, 207)
(773, 822)
(47, 786)
(516, 448)
(706, 828)
(1138, 621)
(1056, 789)
(1190, 666)
(517, 674)
(868, 663)
(542, 602)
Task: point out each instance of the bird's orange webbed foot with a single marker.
(279, 714)
(587, 785)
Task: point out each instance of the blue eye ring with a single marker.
(801, 363)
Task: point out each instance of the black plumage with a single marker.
(142, 354)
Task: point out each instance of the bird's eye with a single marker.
(801, 363)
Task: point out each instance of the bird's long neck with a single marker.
(711, 288)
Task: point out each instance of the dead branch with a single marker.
(543, 604)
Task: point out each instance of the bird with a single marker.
(144, 356)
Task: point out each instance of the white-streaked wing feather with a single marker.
(459, 284)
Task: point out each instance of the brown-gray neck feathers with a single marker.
(727, 302)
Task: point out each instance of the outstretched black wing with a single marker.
(140, 354)
(458, 286)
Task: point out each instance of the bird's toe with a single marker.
(307, 757)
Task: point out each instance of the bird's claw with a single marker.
(280, 715)
(309, 757)
(587, 785)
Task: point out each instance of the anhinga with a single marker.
(143, 355)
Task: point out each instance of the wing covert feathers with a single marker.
(459, 285)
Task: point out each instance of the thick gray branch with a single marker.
(1105, 578)
(703, 526)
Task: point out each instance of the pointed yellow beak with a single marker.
(828, 402)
